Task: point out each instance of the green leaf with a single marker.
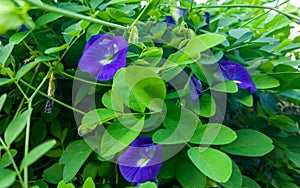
(295, 158)
(238, 33)
(115, 13)
(227, 86)
(89, 183)
(56, 49)
(180, 128)
(73, 158)
(266, 40)
(148, 184)
(25, 69)
(291, 93)
(8, 177)
(235, 180)
(5, 158)
(201, 43)
(37, 152)
(2, 100)
(95, 117)
(62, 184)
(244, 97)
(18, 37)
(47, 18)
(5, 51)
(16, 126)
(106, 100)
(212, 163)
(207, 105)
(120, 134)
(263, 81)
(53, 174)
(90, 170)
(189, 176)
(246, 37)
(4, 81)
(141, 87)
(215, 134)
(247, 182)
(250, 143)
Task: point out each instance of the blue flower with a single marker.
(176, 14)
(237, 73)
(103, 56)
(195, 88)
(3, 38)
(141, 162)
(207, 20)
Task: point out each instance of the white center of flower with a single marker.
(237, 82)
(106, 61)
(143, 162)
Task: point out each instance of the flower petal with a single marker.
(141, 162)
(103, 56)
(195, 88)
(237, 73)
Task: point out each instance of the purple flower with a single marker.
(195, 88)
(103, 56)
(207, 20)
(238, 74)
(141, 162)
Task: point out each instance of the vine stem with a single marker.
(243, 6)
(71, 14)
(51, 98)
(140, 15)
(76, 78)
(256, 17)
(13, 162)
(27, 132)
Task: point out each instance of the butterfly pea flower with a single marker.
(207, 20)
(103, 56)
(141, 162)
(195, 88)
(176, 13)
(237, 73)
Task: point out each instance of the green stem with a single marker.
(140, 15)
(27, 133)
(243, 6)
(71, 14)
(79, 79)
(27, 90)
(256, 17)
(51, 98)
(249, 6)
(13, 162)
(21, 90)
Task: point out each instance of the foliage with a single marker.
(229, 137)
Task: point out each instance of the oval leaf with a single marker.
(228, 87)
(16, 126)
(73, 158)
(212, 163)
(8, 177)
(236, 179)
(213, 133)
(120, 134)
(37, 152)
(201, 43)
(250, 143)
(2, 100)
(189, 176)
(262, 81)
